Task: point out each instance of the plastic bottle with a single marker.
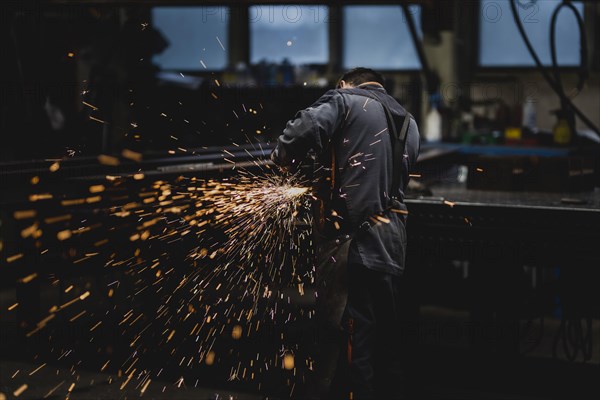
(433, 122)
(561, 131)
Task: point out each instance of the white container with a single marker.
(433, 125)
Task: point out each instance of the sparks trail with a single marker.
(208, 261)
(254, 212)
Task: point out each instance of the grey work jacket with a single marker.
(349, 133)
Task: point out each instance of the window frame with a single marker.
(200, 71)
(342, 42)
(299, 3)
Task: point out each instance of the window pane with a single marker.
(195, 35)
(378, 37)
(298, 33)
(501, 45)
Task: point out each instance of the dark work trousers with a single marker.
(374, 316)
(332, 289)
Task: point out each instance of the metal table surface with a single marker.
(529, 225)
(458, 194)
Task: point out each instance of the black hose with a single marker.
(583, 72)
(566, 109)
(553, 84)
(587, 344)
(528, 328)
(574, 338)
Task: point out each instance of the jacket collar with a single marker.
(372, 87)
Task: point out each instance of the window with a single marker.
(296, 33)
(197, 37)
(501, 45)
(378, 37)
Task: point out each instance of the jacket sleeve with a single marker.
(311, 129)
(413, 143)
(411, 151)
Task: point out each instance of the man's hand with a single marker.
(282, 168)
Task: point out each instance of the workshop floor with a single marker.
(88, 385)
(445, 371)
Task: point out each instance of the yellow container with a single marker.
(513, 133)
(562, 132)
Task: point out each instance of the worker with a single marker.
(366, 144)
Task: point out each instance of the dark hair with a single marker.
(360, 75)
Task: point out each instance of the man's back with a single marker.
(364, 155)
(348, 128)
